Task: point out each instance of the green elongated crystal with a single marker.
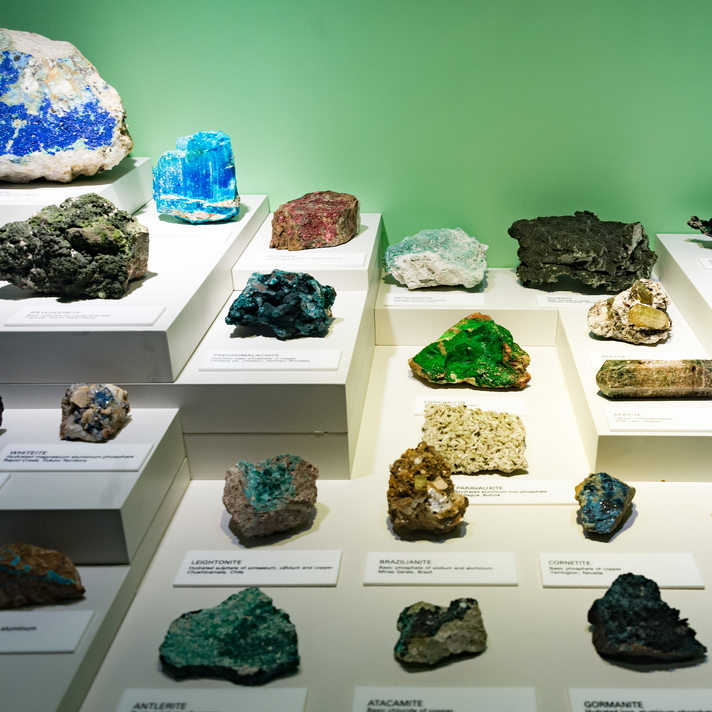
(476, 350)
(633, 378)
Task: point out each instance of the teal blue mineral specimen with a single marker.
(196, 182)
(245, 640)
(291, 304)
(604, 502)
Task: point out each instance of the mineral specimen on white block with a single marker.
(58, 118)
(93, 412)
(435, 257)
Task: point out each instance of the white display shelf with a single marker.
(350, 266)
(93, 516)
(635, 453)
(58, 682)
(188, 280)
(128, 186)
(417, 316)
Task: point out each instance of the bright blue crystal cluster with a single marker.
(604, 501)
(196, 182)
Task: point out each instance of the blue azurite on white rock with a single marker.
(58, 118)
(196, 182)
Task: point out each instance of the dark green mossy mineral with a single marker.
(604, 501)
(631, 622)
(476, 350)
(84, 249)
(245, 640)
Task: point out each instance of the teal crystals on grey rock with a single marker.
(274, 495)
(604, 502)
(245, 639)
(437, 257)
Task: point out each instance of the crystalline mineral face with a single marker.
(430, 633)
(704, 226)
(93, 412)
(604, 502)
(84, 249)
(291, 304)
(30, 575)
(476, 350)
(471, 440)
(58, 118)
(421, 495)
(274, 495)
(637, 315)
(634, 378)
(196, 182)
(435, 257)
(632, 623)
(603, 254)
(321, 219)
(245, 640)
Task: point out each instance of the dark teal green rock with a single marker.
(604, 502)
(245, 640)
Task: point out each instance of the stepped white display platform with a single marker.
(128, 186)
(96, 501)
(645, 439)
(345, 267)
(150, 333)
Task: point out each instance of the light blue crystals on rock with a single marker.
(437, 257)
(196, 182)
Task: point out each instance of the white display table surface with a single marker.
(94, 515)
(128, 186)
(351, 266)
(150, 333)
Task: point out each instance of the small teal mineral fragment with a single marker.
(604, 502)
(196, 182)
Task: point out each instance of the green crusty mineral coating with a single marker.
(85, 248)
(476, 350)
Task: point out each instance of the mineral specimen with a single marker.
(84, 249)
(245, 640)
(421, 495)
(196, 182)
(434, 257)
(321, 219)
(604, 254)
(2, 408)
(471, 440)
(93, 413)
(633, 378)
(58, 118)
(430, 633)
(637, 315)
(30, 575)
(704, 226)
(604, 502)
(273, 496)
(291, 304)
(633, 623)
(476, 350)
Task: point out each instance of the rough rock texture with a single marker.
(434, 257)
(30, 575)
(2, 408)
(604, 501)
(273, 496)
(605, 254)
(84, 249)
(321, 219)
(93, 412)
(637, 315)
(472, 440)
(430, 633)
(58, 118)
(421, 495)
(633, 623)
(196, 182)
(634, 378)
(476, 350)
(291, 304)
(245, 640)
(704, 226)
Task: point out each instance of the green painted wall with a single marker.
(470, 113)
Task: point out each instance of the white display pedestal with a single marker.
(128, 186)
(94, 516)
(187, 282)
